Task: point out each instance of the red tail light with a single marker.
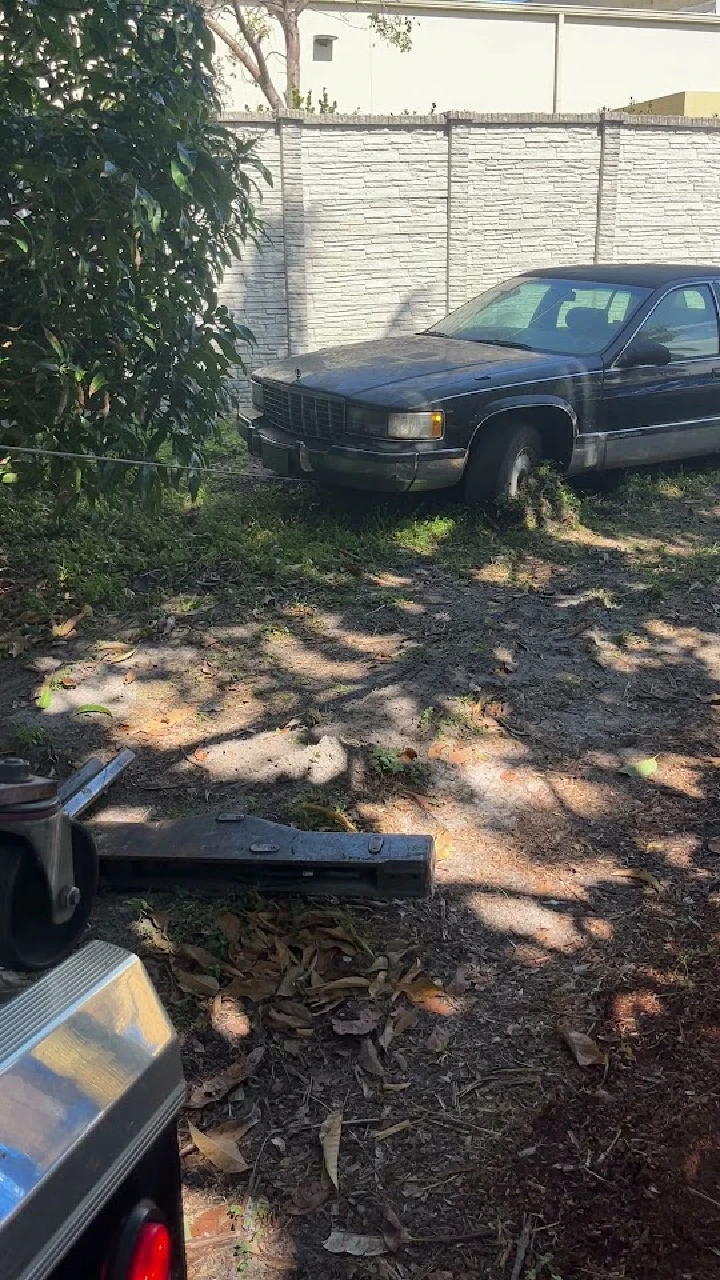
(152, 1255)
(143, 1250)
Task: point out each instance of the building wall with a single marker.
(476, 55)
(379, 226)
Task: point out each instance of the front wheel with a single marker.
(29, 939)
(502, 461)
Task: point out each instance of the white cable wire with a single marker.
(11, 449)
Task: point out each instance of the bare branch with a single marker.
(263, 78)
(255, 66)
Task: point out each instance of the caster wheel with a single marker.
(28, 938)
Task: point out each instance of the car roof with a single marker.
(650, 275)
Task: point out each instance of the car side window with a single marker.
(686, 323)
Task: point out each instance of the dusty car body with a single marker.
(587, 367)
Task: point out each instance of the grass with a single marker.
(235, 543)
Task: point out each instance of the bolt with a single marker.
(70, 897)
(14, 769)
(375, 844)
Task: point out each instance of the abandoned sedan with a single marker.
(585, 367)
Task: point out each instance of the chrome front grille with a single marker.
(303, 413)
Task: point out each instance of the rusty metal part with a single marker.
(18, 786)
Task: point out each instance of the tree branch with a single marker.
(264, 79)
(257, 67)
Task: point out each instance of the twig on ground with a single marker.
(694, 1192)
(523, 1245)
(482, 1233)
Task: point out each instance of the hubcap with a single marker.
(522, 470)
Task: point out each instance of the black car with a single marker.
(586, 367)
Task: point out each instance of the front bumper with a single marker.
(387, 467)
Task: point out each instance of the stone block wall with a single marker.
(378, 226)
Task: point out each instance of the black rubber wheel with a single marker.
(28, 938)
(502, 460)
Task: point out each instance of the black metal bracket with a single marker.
(274, 858)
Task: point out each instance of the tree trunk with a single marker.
(292, 49)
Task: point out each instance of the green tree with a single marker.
(122, 200)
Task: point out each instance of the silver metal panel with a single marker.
(90, 1075)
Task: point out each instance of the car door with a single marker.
(654, 413)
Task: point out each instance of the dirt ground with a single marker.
(522, 1070)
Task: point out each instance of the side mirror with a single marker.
(644, 351)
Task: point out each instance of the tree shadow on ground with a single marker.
(515, 669)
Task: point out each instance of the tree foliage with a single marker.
(122, 200)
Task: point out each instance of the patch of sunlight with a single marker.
(525, 918)
(425, 537)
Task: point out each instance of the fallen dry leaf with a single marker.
(212, 1222)
(220, 1149)
(585, 1051)
(405, 1021)
(124, 656)
(130, 677)
(429, 995)
(217, 1087)
(196, 984)
(283, 1021)
(714, 846)
(443, 845)
(358, 1246)
(396, 1236)
(639, 873)
(366, 1022)
(199, 955)
(352, 983)
(238, 1128)
(369, 1060)
(63, 630)
(330, 1131)
(438, 1039)
(254, 989)
(408, 755)
(390, 1132)
(228, 1017)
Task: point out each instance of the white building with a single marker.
(471, 55)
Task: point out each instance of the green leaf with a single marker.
(643, 768)
(179, 176)
(98, 381)
(44, 698)
(55, 343)
(93, 709)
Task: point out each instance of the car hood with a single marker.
(398, 368)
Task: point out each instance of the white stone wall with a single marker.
(254, 289)
(376, 226)
(375, 230)
(668, 195)
(532, 199)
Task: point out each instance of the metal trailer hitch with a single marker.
(49, 861)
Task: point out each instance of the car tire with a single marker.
(502, 459)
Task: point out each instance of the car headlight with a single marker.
(417, 426)
(366, 420)
(258, 397)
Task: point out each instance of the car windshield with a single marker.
(546, 313)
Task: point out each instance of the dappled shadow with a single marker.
(486, 686)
